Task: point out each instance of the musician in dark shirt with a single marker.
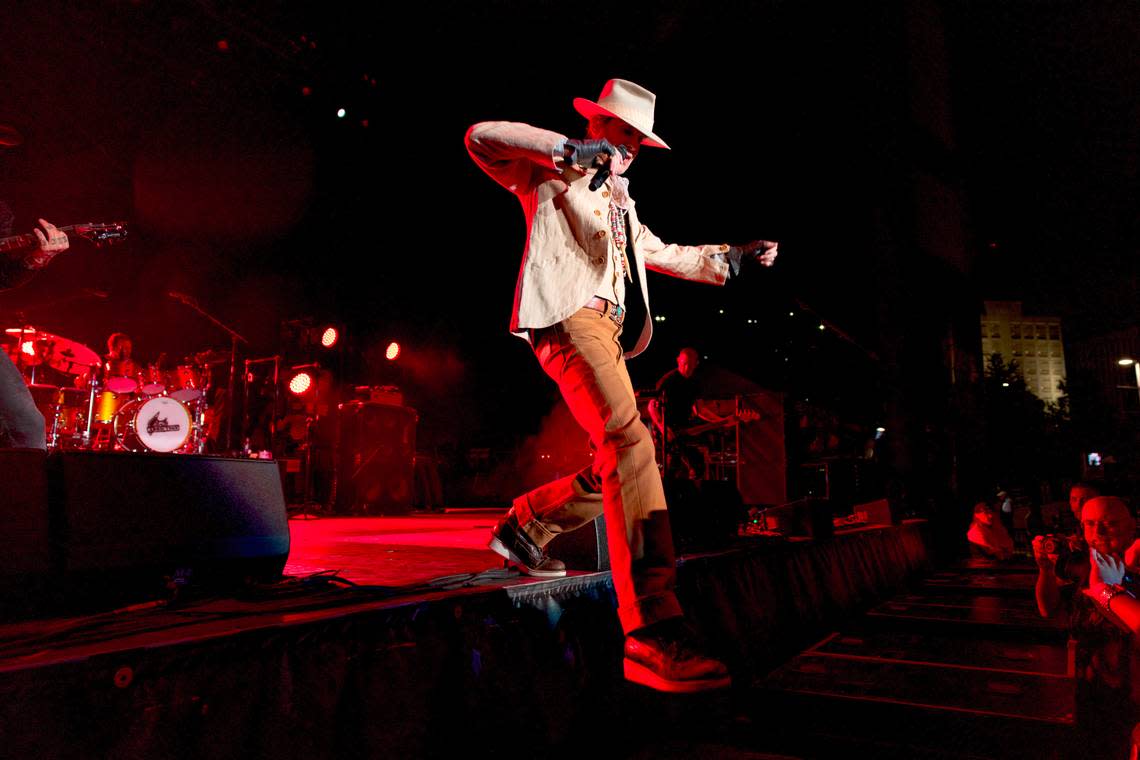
(678, 391)
(680, 411)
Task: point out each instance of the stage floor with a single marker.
(394, 551)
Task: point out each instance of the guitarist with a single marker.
(679, 390)
(21, 424)
(685, 414)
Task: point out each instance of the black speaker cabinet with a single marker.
(125, 525)
(26, 540)
(375, 458)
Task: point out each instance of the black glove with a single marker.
(586, 153)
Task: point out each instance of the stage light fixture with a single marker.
(300, 383)
(329, 337)
(29, 348)
(393, 351)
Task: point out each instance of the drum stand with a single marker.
(247, 423)
(199, 441)
(92, 394)
(235, 338)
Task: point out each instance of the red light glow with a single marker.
(329, 337)
(300, 383)
(29, 348)
(393, 351)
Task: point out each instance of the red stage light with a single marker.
(300, 383)
(329, 337)
(393, 351)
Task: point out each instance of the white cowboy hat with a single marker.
(632, 103)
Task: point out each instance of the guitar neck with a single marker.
(704, 427)
(23, 242)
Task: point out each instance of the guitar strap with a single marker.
(635, 308)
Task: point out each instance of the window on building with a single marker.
(1041, 332)
(1054, 332)
(1015, 331)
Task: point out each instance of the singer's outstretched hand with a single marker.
(765, 251)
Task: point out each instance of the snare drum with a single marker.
(151, 381)
(160, 424)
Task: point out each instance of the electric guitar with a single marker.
(97, 233)
(744, 415)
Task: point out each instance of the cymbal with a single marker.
(23, 336)
(28, 333)
(59, 353)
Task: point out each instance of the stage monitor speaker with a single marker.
(129, 524)
(26, 547)
(806, 518)
(376, 451)
(880, 512)
(584, 548)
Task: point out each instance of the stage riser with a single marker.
(984, 616)
(819, 726)
(1025, 657)
(1011, 696)
(992, 584)
(892, 693)
(445, 675)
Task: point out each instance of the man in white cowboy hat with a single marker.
(21, 423)
(583, 271)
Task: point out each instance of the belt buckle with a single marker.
(617, 314)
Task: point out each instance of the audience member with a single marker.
(987, 536)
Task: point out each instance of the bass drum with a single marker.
(158, 424)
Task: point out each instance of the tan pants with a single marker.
(583, 356)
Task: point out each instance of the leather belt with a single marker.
(611, 310)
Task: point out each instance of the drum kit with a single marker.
(151, 410)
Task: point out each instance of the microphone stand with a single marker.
(234, 338)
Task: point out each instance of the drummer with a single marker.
(118, 361)
(120, 373)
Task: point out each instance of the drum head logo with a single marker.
(159, 424)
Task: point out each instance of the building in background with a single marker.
(1034, 342)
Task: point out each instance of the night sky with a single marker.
(192, 120)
